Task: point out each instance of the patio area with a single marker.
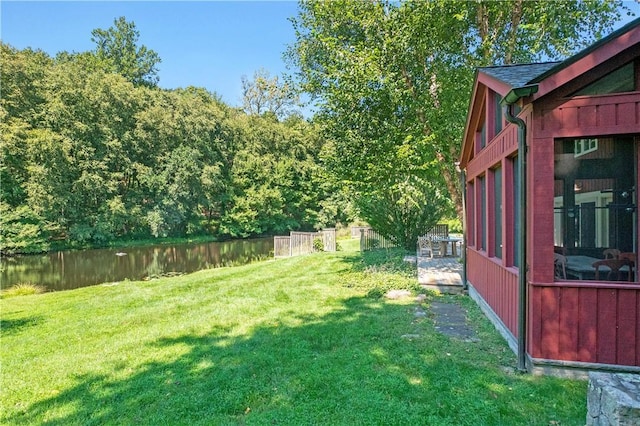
(442, 274)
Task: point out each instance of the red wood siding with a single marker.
(497, 285)
(589, 116)
(504, 144)
(586, 322)
(573, 321)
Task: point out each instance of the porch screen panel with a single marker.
(497, 113)
(482, 216)
(516, 213)
(497, 219)
(471, 202)
(595, 204)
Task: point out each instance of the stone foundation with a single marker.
(613, 399)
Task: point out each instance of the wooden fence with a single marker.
(371, 240)
(329, 239)
(355, 231)
(438, 232)
(281, 246)
(298, 243)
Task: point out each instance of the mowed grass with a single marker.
(299, 341)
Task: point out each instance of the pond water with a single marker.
(64, 270)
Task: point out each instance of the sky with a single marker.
(209, 44)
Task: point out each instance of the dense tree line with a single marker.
(92, 151)
(392, 81)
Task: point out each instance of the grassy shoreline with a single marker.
(305, 340)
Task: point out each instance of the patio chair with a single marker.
(631, 257)
(560, 250)
(614, 266)
(560, 266)
(426, 245)
(611, 253)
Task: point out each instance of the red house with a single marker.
(550, 157)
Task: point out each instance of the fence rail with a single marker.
(298, 243)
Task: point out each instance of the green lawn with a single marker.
(299, 341)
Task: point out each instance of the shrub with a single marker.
(23, 289)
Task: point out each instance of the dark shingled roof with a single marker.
(527, 74)
(564, 64)
(518, 75)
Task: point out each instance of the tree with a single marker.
(117, 47)
(21, 230)
(392, 78)
(267, 94)
(22, 71)
(89, 157)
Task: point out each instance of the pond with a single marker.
(64, 270)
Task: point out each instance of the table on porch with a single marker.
(444, 243)
(582, 267)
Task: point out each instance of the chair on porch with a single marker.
(560, 250)
(614, 266)
(560, 266)
(426, 245)
(631, 257)
(611, 253)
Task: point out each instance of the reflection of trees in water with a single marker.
(154, 267)
(73, 269)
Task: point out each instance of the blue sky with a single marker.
(204, 44)
(209, 44)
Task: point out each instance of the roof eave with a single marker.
(518, 93)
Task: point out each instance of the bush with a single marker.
(22, 290)
(318, 244)
(455, 225)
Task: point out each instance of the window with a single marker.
(584, 146)
(470, 216)
(595, 202)
(620, 80)
(497, 112)
(482, 135)
(482, 214)
(497, 212)
(516, 213)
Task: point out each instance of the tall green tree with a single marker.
(392, 82)
(117, 48)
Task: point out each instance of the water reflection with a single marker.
(65, 270)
